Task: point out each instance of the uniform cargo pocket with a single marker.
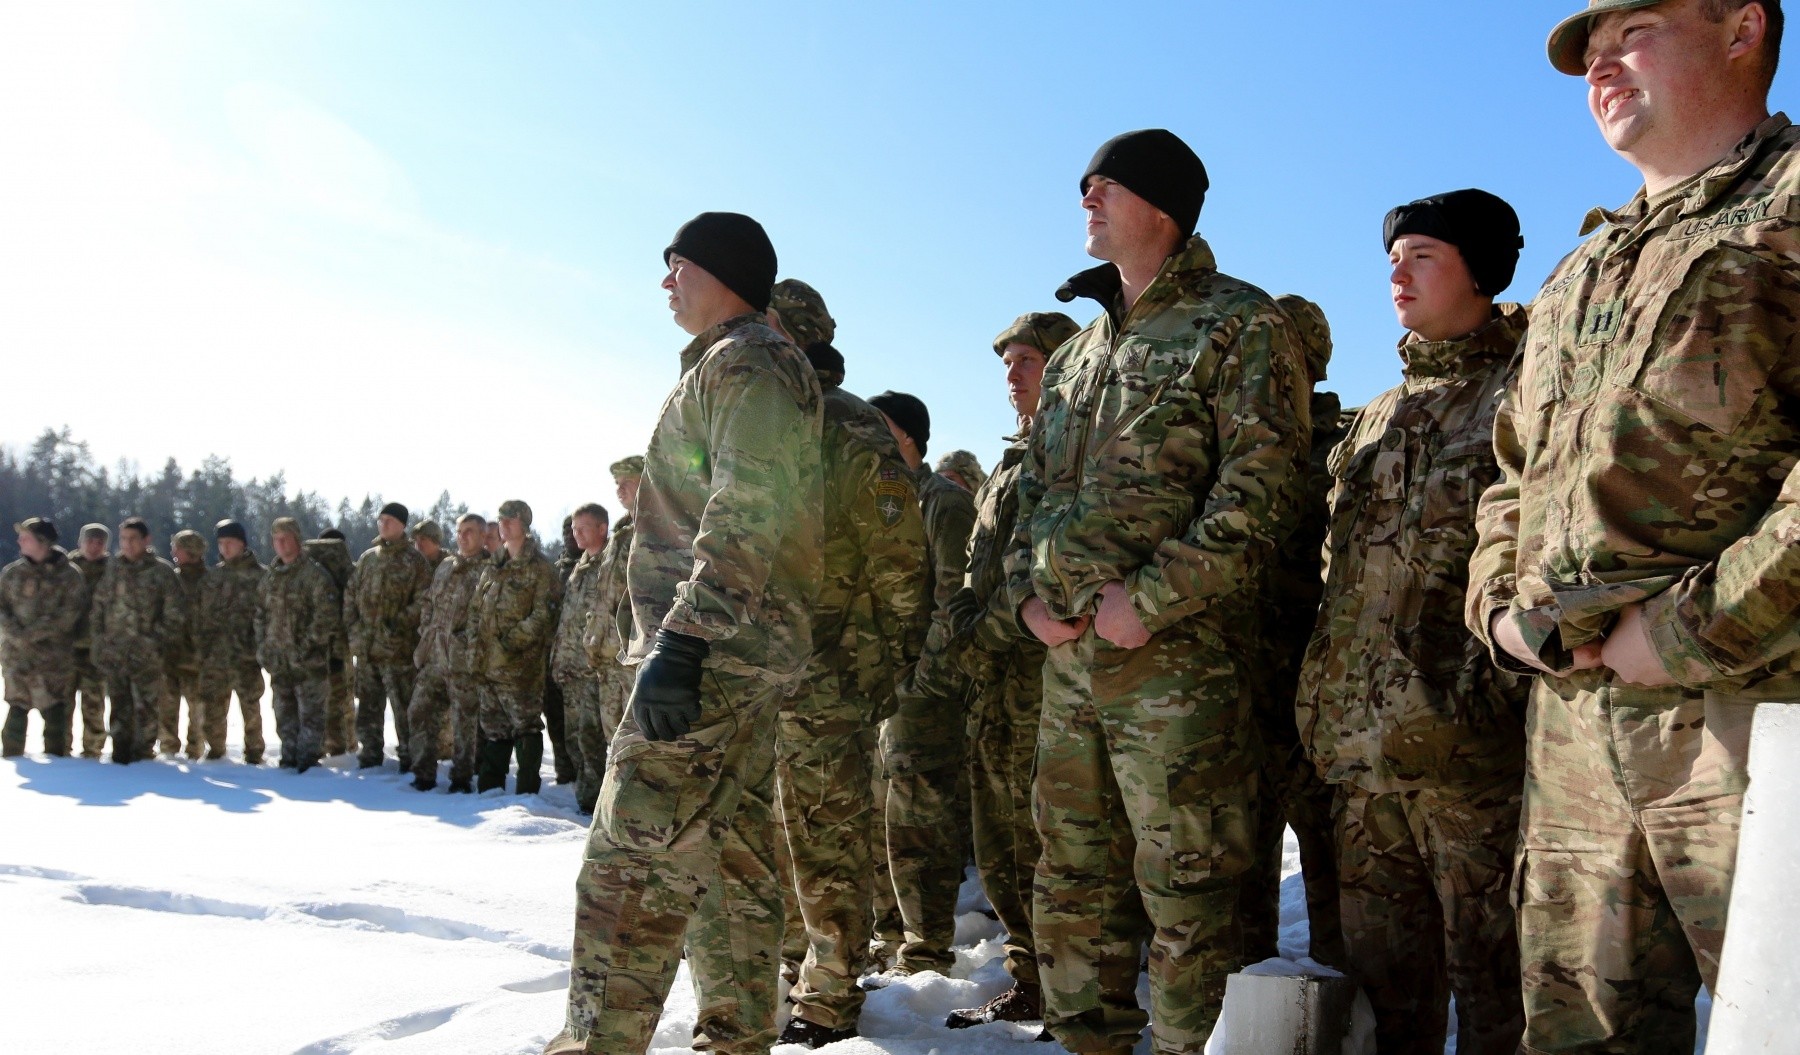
(1211, 802)
(653, 791)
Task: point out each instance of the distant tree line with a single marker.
(56, 476)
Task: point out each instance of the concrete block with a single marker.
(1759, 985)
(1281, 1008)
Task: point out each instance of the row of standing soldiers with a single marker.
(470, 645)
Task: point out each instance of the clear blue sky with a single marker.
(407, 246)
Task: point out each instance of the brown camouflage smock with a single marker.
(446, 636)
(297, 620)
(226, 626)
(381, 602)
(1162, 444)
(1648, 451)
(514, 615)
(568, 654)
(136, 609)
(728, 535)
(42, 610)
(1395, 694)
(184, 642)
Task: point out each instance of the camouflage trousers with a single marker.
(91, 685)
(52, 695)
(300, 716)
(135, 689)
(1144, 799)
(1424, 880)
(510, 710)
(886, 929)
(585, 736)
(825, 767)
(438, 695)
(340, 708)
(182, 684)
(1633, 800)
(565, 752)
(923, 750)
(681, 851)
(379, 685)
(217, 684)
(1002, 737)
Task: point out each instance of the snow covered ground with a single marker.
(213, 907)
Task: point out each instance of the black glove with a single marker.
(965, 611)
(665, 700)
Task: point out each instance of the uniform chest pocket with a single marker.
(1461, 470)
(1718, 332)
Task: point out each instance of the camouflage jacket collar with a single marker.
(1103, 285)
(528, 551)
(190, 571)
(1427, 361)
(588, 560)
(461, 562)
(242, 562)
(280, 567)
(58, 555)
(388, 549)
(696, 348)
(1701, 192)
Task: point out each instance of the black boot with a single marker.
(530, 749)
(800, 1031)
(491, 760)
(12, 734)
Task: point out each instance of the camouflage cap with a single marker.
(632, 466)
(42, 527)
(285, 526)
(1044, 330)
(99, 531)
(1312, 329)
(802, 312)
(965, 466)
(189, 541)
(514, 507)
(428, 529)
(1569, 40)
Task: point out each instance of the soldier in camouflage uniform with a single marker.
(90, 560)
(329, 551)
(609, 615)
(188, 552)
(514, 616)
(381, 615)
(1639, 550)
(922, 745)
(447, 680)
(869, 623)
(226, 632)
(1292, 794)
(41, 613)
(297, 621)
(724, 574)
(135, 610)
(1008, 674)
(1158, 480)
(1399, 707)
(569, 665)
(565, 751)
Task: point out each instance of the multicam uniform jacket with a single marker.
(226, 626)
(136, 609)
(1395, 694)
(728, 532)
(1164, 449)
(514, 613)
(446, 634)
(298, 618)
(1655, 427)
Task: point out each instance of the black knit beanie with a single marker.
(732, 248)
(1482, 227)
(230, 529)
(395, 510)
(908, 413)
(825, 359)
(1157, 166)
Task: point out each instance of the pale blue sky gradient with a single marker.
(407, 246)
